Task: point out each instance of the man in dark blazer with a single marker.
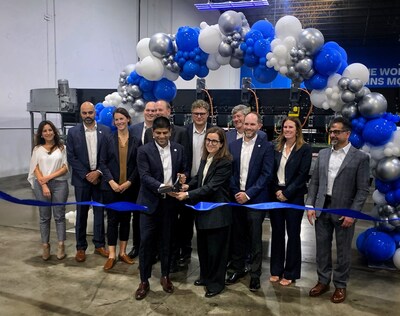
(340, 180)
(138, 131)
(160, 162)
(238, 114)
(83, 144)
(253, 163)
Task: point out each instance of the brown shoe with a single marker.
(125, 258)
(110, 263)
(80, 255)
(166, 284)
(46, 252)
(61, 251)
(319, 289)
(143, 289)
(339, 295)
(102, 252)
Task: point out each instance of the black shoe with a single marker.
(199, 282)
(184, 261)
(211, 294)
(134, 252)
(234, 278)
(254, 284)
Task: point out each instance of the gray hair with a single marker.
(241, 108)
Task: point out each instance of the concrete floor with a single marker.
(31, 286)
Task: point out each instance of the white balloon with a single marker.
(333, 80)
(396, 258)
(170, 75)
(357, 71)
(378, 198)
(129, 68)
(280, 51)
(325, 105)
(288, 26)
(377, 152)
(328, 91)
(318, 97)
(151, 68)
(388, 152)
(275, 43)
(142, 48)
(210, 38)
(212, 64)
(289, 42)
(283, 69)
(222, 60)
(203, 25)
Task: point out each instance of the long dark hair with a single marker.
(39, 140)
(124, 112)
(280, 142)
(223, 152)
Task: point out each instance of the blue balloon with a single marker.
(165, 90)
(185, 76)
(145, 85)
(383, 187)
(254, 35)
(261, 48)
(243, 47)
(98, 108)
(379, 247)
(327, 61)
(264, 74)
(106, 116)
(390, 198)
(360, 243)
(134, 78)
(343, 66)
(336, 46)
(149, 96)
(191, 68)
(265, 27)
(203, 72)
(317, 81)
(187, 38)
(250, 60)
(378, 132)
(356, 140)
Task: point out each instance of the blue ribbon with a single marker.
(116, 206)
(208, 206)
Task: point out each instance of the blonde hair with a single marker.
(281, 140)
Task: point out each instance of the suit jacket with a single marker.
(296, 171)
(152, 174)
(109, 160)
(137, 130)
(77, 152)
(260, 171)
(214, 189)
(351, 185)
(231, 135)
(189, 130)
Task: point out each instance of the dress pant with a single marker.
(286, 257)
(156, 228)
(135, 220)
(183, 234)
(325, 225)
(118, 222)
(212, 248)
(91, 193)
(247, 226)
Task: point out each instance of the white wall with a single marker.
(87, 42)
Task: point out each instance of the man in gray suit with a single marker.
(340, 180)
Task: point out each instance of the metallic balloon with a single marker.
(165, 61)
(304, 65)
(224, 49)
(387, 210)
(138, 105)
(170, 58)
(135, 91)
(168, 66)
(301, 54)
(311, 40)
(349, 110)
(236, 36)
(291, 73)
(372, 105)
(228, 39)
(121, 80)
(230, 22)
(309, 74)
(343, 83)
(161, 45)
(235, 44)
(236, 62)
(394, 219)
(293, 52)
(123, 74)
(388, 169)
(129, 98)
(238, 53)
(385, 225)
(175, 67)
(124, 100)
(362, 92)
(347, 96)
(355, 85)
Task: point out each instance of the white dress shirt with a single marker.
(197, 148)
(165, 154)
(91, 143)
(282, 165)
(206, 167)
(245, 156)
(144, 131)
(335, 161)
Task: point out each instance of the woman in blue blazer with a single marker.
(292, 165)
(120, 176)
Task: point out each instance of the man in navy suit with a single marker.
(138, 131)
(238, 114)
(160, 162)
(83, 144)
(252, 169)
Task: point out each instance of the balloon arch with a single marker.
(302, 56)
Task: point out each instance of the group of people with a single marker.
(147, 162)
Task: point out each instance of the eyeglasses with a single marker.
(199, 113)
(336, 132)
(213, 142)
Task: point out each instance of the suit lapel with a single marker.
(174, 160)
(324, 161)
(85, 153)
(346, 160)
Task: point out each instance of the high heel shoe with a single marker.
(46, 252)
(61, 251)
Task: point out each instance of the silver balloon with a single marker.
(347, 96)
(244, 31)
(388, 169)
(343, 83)
(349, 110)
(168, 67)
(385, 225)
(129, 98)
(238, 53)
(311, 40)
(301, 54)
(170, 58)
(387, 210)
(293, 52)
(124, 100)
(235, 44)
(138, 105)
(123, 74)
(175, 67)
(165, 61)
(236, 36)
(355, 85)
(236, 62)
(372, 105)
(230, 22)
(291, 73)
(394, 219)
(304, 65)
(362, 92)
(135, 91)
(121, 80)
(228, 39)
(309, 74)
(224, 49)
(161, 45)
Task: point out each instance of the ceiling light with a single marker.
(231, 5)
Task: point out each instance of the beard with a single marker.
(88, 120)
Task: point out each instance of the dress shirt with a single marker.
(245, 155)
(91, 142)
(165, 154)
(335, 161)
(239, 135)
(144, 131)
(206, 167)
(197, 148)
(282, 165)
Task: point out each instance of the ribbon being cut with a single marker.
(200, 207)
